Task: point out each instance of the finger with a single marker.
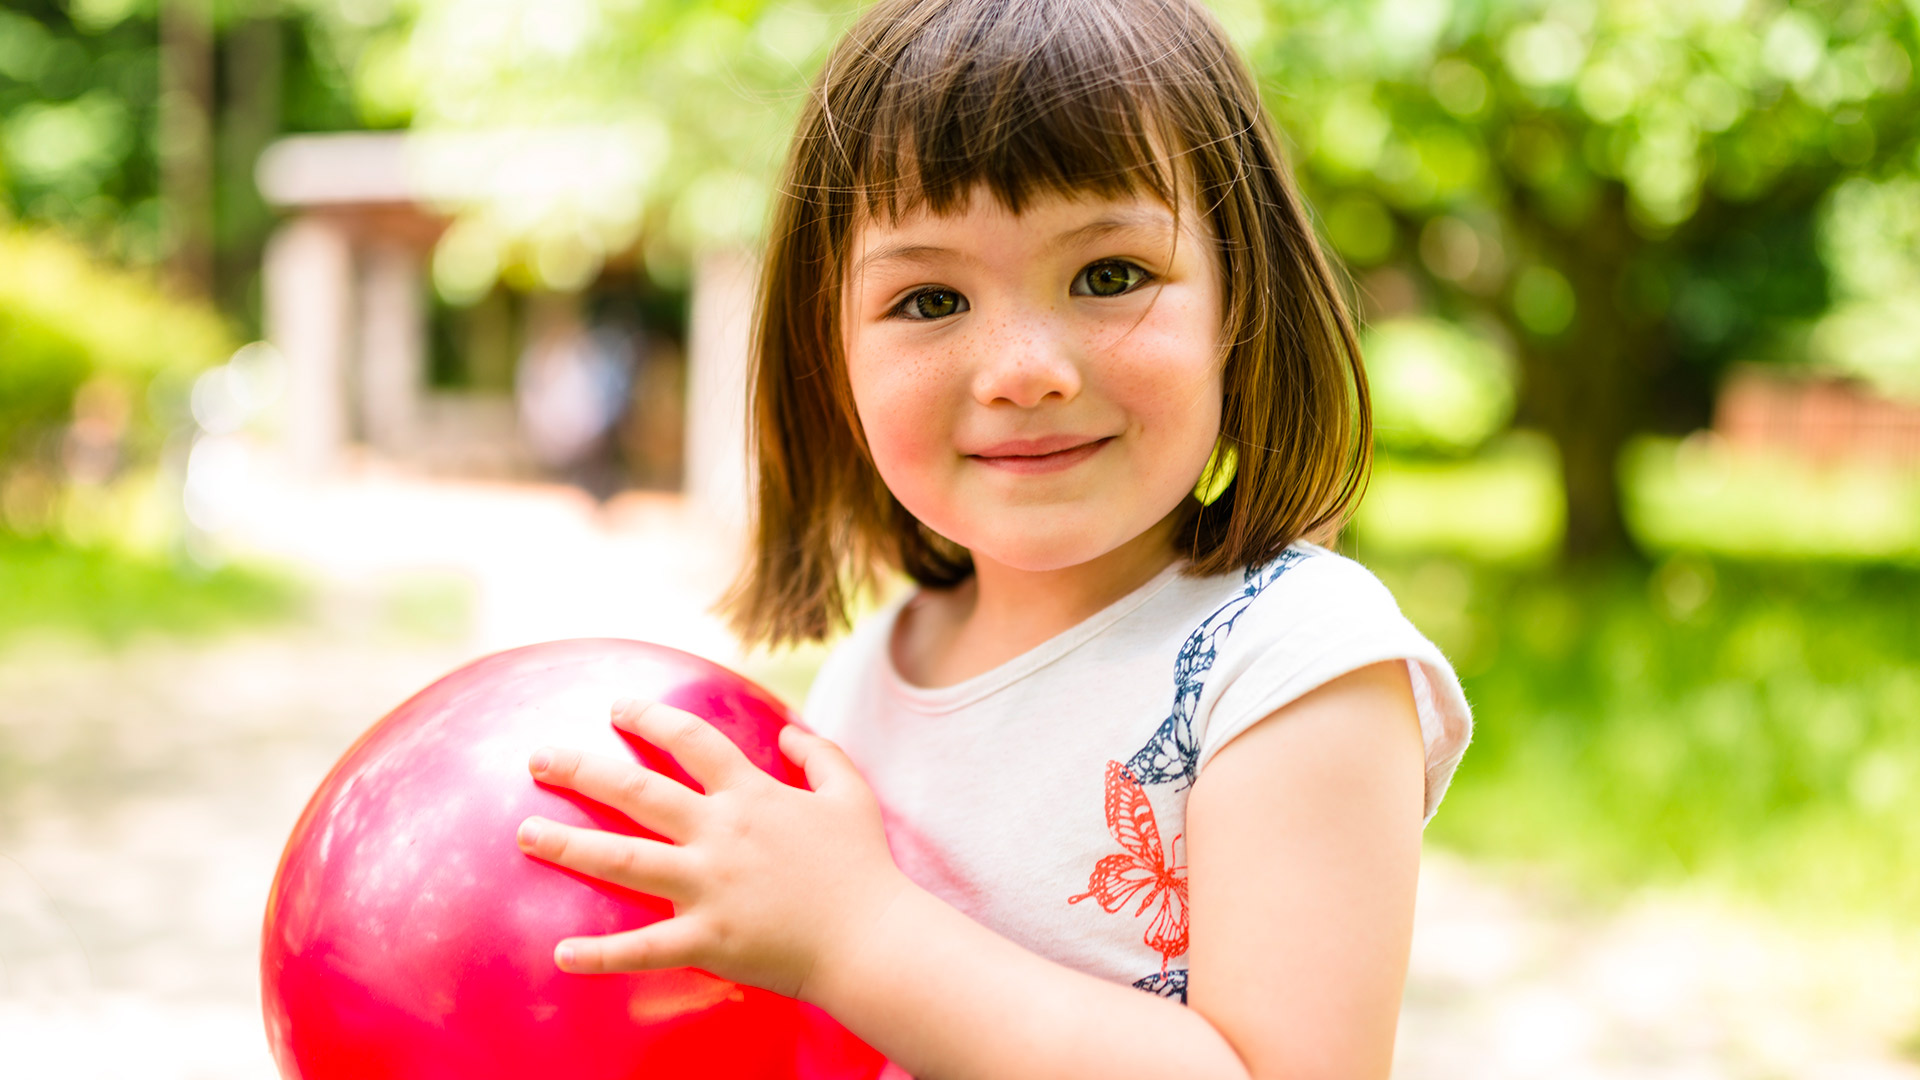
(708, 756)
(647, 866)
(669, 943)
(657, 802)
(828, 767)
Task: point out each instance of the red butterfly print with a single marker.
(1117, 879)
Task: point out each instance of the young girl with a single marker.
(1044, 327)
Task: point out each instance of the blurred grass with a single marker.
(1750, 725)
(106, 596)
(426, 606)
(1699, 494)
(1502, 504)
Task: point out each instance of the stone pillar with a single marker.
(308, 302)
(393, 347)
(720, 333)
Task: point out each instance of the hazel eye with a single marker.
(931, 304)
(1110, 279)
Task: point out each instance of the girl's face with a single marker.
(1039, 388)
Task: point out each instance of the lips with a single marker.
(1040, 447)
(1048, 454)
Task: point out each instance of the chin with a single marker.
(1038, 561)
(1055, 549)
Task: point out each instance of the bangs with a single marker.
(1028, 97)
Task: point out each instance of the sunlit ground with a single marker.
(145, 791)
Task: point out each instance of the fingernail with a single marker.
(540, 760)
(529, 833)
(563, 955)
(624, 709)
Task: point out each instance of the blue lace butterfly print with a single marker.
(1173, 754)
(1166, 984)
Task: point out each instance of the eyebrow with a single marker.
(1126, 221)
(1142, 220)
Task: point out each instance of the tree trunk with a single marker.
(252, 69)
(1589, 393)
(186, 142)
(1590, 386)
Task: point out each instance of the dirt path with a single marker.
(145, 800)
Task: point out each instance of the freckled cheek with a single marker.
(1164, 374)
(906, 427)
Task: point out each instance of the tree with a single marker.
(134, 126)
(1629, 190)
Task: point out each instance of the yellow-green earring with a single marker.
(1221, 465)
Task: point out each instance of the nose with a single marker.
(1024, 362)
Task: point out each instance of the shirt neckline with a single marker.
(941, 699)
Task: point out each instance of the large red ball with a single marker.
(408, 938)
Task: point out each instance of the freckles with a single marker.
(1163, 370)
(1163, 353)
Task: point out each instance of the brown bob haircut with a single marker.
(925, 100)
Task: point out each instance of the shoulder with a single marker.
(1305, 586)
(1292, 617)
(1339, 616)
(1315, 617)
(1331, 590)
(1329, 573)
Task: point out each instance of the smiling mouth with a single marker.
(1053, 461)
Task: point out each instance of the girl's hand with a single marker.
(767, 881)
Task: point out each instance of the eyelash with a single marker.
(1147, 277)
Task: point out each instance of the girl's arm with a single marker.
(1304, 853)
(1303, 846)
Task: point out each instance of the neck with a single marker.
(1035, 605)
(1005, 611)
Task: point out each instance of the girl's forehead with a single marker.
(1079, 212)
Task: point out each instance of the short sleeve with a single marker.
(1324, 617)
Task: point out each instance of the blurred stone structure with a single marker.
(346, 300)
(1820, 418)
(344, 293)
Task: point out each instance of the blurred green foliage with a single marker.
(1747, 724)
(1870, 238)
(1632, 194)
(103, 595)
(116, 320)
(700, 96)
(87, 125)
(95, 366)
(1436, 387)
(76, 116)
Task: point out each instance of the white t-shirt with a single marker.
(1046, 798)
